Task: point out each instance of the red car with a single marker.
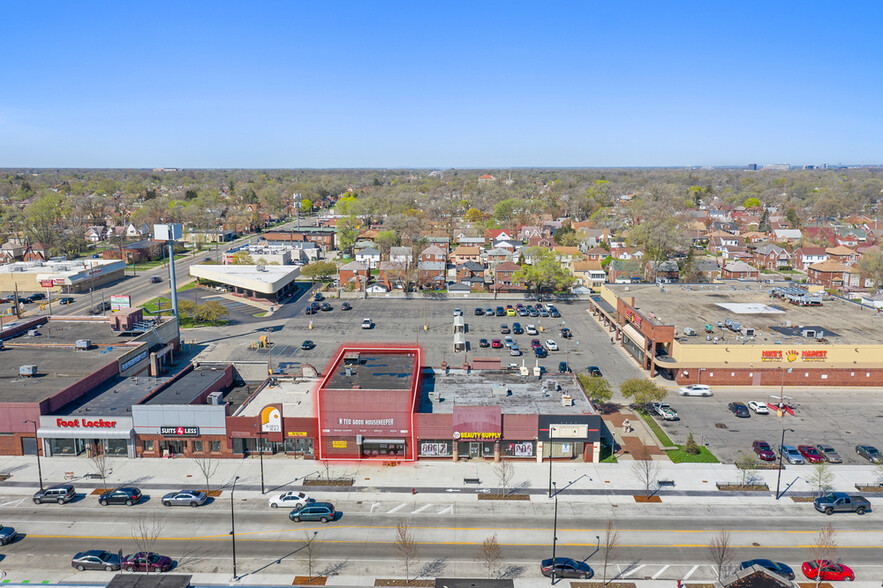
(829, 570)
(810, 454)
(535, 343)
(147, 562)
(496, 344)
(763, 450)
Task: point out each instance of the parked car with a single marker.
(535, 343)
(307, 345)
(551, 345)
(458, 312)
(7, 534)
(532, 330)
(773, 566)
(508, 342)
(522, 311)
(510, 311)
(830, 454)
(665, 411)
(500, 311)
(147, 562)
(496, 344)
(594, 371)
(318, 297)
(514, 351)
(315, 511)
(58, 494)
(695, 390)
(367, 323)
(127, 496)
(810, 454)
(192, 498)
(564, 567)
(565, 333)
(739, 409)
(540, 353)
(790, 454)
(531, 311)
(96, 559)
(759, 408)
(292, 499)
(479, 312)
(504, 329)
(763, 450)
(869, 452)
(822, 569)
(483, 343)
(563, 368)
(346, 306)
(489, 311)
(554, 313)
(842, 502)
(309, 310)
(326, 307)
(516, 329)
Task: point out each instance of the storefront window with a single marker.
(215, 446)
(148, 445)
(116, 446)
(238, 446)
(197, 446)
(370, 449)
(487, 449)
(436, 448)
(65, 446)
(633, 348)
(519, 448)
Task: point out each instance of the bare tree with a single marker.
(406, 547)
(746, 464)
(609, 544)
(646, 471)
(505, 472)
(820, 479)
(309, 552)
(490, 556)
(207, 466)
(824, 547)
(720, 553)
(99, 462)
(145, 532)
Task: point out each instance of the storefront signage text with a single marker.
(793, 355)
(297, 433)
(633, 316)
(367, 422)
(462, 436)
(774, 355)
(338, 444)
(96, 424)
(430, 449)
(179, 431)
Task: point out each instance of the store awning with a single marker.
(369, 441)
(80, 434)
(633, 334)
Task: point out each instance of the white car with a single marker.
(551, 345)
(367, 323)
(758, 407)
(531, 330)
(695, 390)
(458, 312)
(290, 500)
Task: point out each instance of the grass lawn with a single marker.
(657, 430)
(680, 456)
(156, 262)
(609, 459)
(260, 314)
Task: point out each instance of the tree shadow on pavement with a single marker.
(511, 572)
(433, 569)
(334, 569)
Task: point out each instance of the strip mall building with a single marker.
(743, 334)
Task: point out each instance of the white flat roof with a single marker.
(269, 280)
(65, 272)
(296, 396)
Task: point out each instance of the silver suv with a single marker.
(60, 494)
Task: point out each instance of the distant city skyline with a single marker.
(460, 85)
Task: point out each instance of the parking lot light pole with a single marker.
(550, 468)
(261, 455)
(37, 441)
(554, 538)
(233, 527)
(781, 454)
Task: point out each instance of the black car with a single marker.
(7, 534)
(773, 566)
(346, 306)
(309, 310)
(155, 279)
(96, 559)
(564, 567)
(314, 306)
(59, 494)
(479, 312)
(504, 329)
(37, 296)
(594, 371)
(501, 311)
(326, 307)
(739, 409)
(318, 297)
(563, 368)
(516, 329)
(540, 352)
(483, 343)
(307, 345)
(65, 300)
(127, 496)
(565, 332)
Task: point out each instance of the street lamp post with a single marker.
(554, 538)
(261, 454)
(233, 527)
(550, 469)
(37, 442)
(781, 454)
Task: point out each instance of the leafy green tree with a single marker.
(506, 210)
(870, 267)
(764, 225)
(306, 206)
(347, 233)
(473, 215)
(567, 237)
(659, 233)
(691, 446)
(385, 240)
(597, 389)
(346, 205)
(751, 202)
(544, 274)
(42, 216)
(243, 258)
(642, 391)
(793, 218)
(319, 270)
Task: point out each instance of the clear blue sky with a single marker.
(438, 84)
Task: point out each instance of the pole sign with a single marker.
(119, 302)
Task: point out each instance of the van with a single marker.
(315, 511)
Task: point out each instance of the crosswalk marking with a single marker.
(659, 573)
(397, 508)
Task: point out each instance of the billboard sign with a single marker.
(119, 302)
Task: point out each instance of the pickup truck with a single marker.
(665, 411)
(841, 502)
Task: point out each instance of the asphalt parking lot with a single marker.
(841, 418)
(402, 321)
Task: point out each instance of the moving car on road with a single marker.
(564, 567)
(739, 409)
(830, 454)
(7, 534)
(147, 562)
(759, 408)
(790, 454)
(841, 502)
(695, 390)
(58, 494)
(127, 496)
(315, 511)
(291, 499)
(822, 569)
(96, 559)
(767, 564)
(870, 453)
(810, 454)
(192, 498)
(763, 450)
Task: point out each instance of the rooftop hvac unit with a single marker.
(27, 371)
(689, 331)
(500, 390)
(83, 344)
(33, 333)
(261, 268)
(214, 398)
(566, 400)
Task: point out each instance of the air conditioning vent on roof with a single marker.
(27, 371)
(215, 398)
(83, 344)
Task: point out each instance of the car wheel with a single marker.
(102, 502)
(194, 504)
(584, 576)
(848, 579)
(296, 519)
(129, 502)
(166, 503)
(324, 520)
(860, 510)
(274, 505)
(108, 568)
(829, 511)
(38, 501)
(60, 501)
(81, 568)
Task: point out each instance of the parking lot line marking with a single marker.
(398, 508)
(447, 509)
(690, 573)
(373, 504)
(15, 502)
(659, 573)
(632, 571)
(422, 508)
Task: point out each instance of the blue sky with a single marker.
(439, 84)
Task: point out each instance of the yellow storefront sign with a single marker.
(338, 444)
(297, 433)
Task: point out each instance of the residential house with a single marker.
(401, 255)
(719, 239)
(787, 235)
(739, 270)
(435, 254)
(511, 246)
(431, 274)
(592, 236)
(525, 232)
(504, 272)
(137, 252)
(10, 252)
(664, 272)
(355, 273)
(35, 252)
(497, 256)
(596, 254)
(471, 241)
(771, 257)
(843, 254)
(832, 274)
(484, 179)
(540, 241)
(96, 234)
(391, 273)
(735, 252)
(135, 231)
(471, 273)
(821, 234)
(369, 256)
(462, 254)
(754, 237)
(588, 273)
(440, 241)
(498, 235)
(803, 257)
(725, 227)
(624, 271)
(565, 256)
(707, 268)
(627, 253)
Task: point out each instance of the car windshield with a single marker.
(763, 445)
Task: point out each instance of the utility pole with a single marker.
(233, 526)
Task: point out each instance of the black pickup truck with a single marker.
(841, 502)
